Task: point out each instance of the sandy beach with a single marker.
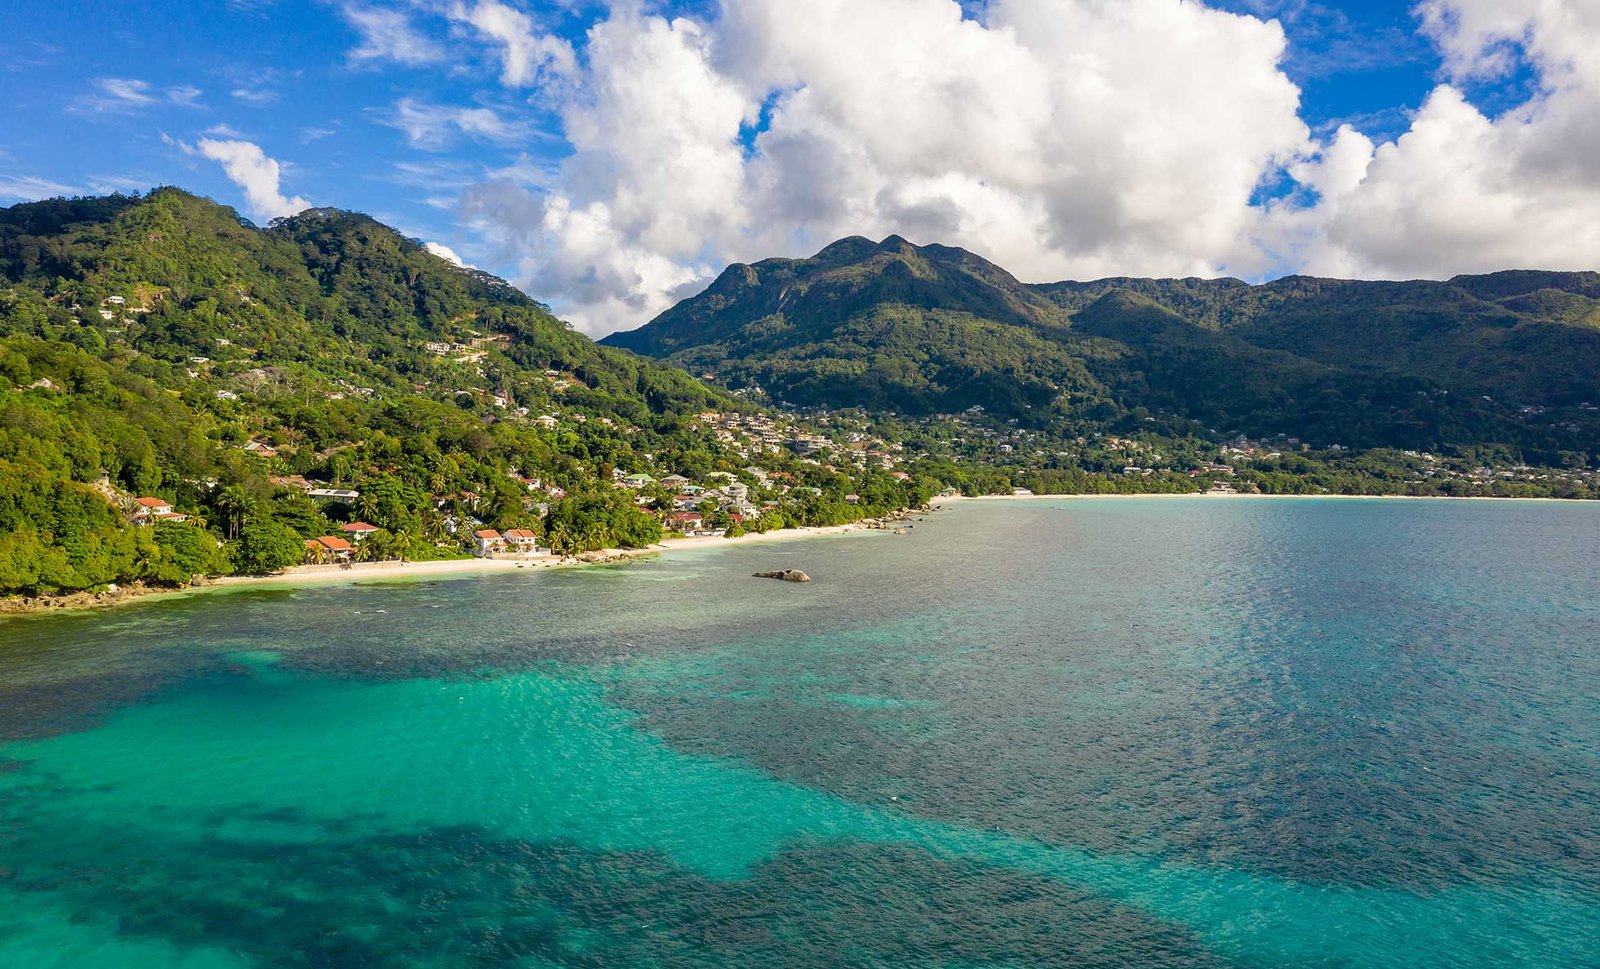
(366, 571)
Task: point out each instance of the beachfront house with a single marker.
(686, 521)
(489, 541)
(328, 548)
(522, 540)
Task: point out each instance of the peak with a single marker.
(848, 249)
(895, 243)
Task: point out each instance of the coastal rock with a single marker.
(786, 575)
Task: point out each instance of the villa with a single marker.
(489, 541)
(358, 530)
(328, 547)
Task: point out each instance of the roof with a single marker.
(358, 527)
(685, 514)
(333, 543)
(486, 533)
(520, 533)
(152, 502)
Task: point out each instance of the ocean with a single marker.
(1155, 732)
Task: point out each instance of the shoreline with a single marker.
(299, 575)
(954, 499)
(366, 571)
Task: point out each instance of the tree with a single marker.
(236, 506)
(268, 545)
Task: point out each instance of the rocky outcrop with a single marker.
(786, 575)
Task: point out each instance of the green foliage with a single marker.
(1505, 359)
(268, 545)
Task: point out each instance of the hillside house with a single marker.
(356, 531)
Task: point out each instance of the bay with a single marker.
(1157, 732)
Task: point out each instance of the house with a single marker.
(545, 420)
(674, 481)
(328, 547)
(358, 530)
(522, 540)
(151, 509)
(489, 541)
(686, 521)
(333, 494)
(638, 480)
(901, 476)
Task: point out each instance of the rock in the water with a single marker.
(787, 575)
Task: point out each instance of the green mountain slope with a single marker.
(163, 347)
(1506, 359)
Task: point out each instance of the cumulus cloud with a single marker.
(444, 252)
(1061, 138)
(248, 167)
(1463, 191)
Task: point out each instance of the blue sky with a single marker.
(427, 130)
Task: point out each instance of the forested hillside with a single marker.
(1510, 360)
(161, 347)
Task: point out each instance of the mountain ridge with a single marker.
(892, 325)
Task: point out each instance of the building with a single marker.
(686, 521)
(673, 481)
(356, 531)
(489, 541)
(147, 510)
(522, 540)
(638, 480)
(328, 547)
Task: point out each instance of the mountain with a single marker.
(1509, 359)
(163, 347)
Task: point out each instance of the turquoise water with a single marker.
(1110, 732)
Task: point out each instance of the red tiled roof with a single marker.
(486, 533)
(333, 543)
(520, 533)
(358, 527)
(152, 502)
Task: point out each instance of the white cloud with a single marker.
(434, 127)
(387, 34)
(526, 53)
(1463, 191)
(29, 188)
(122, 95)
(248, 167)
(1061, 138)
(444, 252)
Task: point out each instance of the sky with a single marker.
(612, 157)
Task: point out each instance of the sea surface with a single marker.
(1050, 733)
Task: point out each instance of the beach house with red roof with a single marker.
(686, 521)
(356, 531)
(489, 541)
(522, 539)
(328, 547)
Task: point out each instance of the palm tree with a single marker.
(237, 504)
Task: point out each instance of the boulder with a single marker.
(786, 575)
